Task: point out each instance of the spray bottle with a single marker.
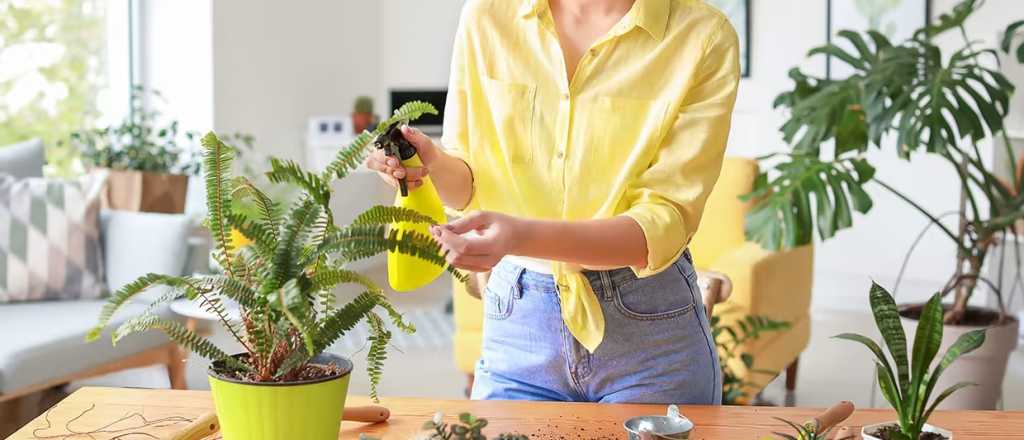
(407, 273)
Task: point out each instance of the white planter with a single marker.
(927, 428)
(985, 366)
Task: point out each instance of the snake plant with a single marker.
(909, 98)
(284, 280)
(909, 387)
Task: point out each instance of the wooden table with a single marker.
(538, 420)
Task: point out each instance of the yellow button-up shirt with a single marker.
(639, 130)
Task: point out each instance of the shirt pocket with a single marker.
(512, 108)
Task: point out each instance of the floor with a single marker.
(422, 365)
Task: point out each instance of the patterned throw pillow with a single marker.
(49, 238)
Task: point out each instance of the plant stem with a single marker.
(921, 209)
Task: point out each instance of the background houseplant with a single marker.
(284, 282)
(363, 117)
(730, 340)
(148, 157)
(909, 387)
(911, 99)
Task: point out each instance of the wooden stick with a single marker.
(207, 423)
(201, 427)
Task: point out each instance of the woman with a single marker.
(582, 138)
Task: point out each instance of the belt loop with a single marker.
(606, 284)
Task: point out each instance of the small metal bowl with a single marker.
(673, 425)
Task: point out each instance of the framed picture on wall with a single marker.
(896, 19)
(738, 12)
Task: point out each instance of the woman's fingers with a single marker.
(471, 222)
(391, 170)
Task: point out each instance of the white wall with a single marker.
(277, 63)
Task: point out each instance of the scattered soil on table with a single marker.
(310, 372)
(885, 433)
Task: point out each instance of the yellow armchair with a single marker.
(772, 284)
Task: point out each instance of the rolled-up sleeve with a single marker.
(455, 132)
(668, 198)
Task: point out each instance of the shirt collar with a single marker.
(651, 15)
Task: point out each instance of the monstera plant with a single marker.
(910, 99)
(284, 282)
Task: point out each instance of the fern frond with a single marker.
(264, 239)
(349, 158)
(129, 291)
(409, 111)
(380, 337)
(288, 171)
(234, 289)
(270, 211)
(287, 264)
(215, 306)
(386, 215)
(256, 327)
(329, 278)
(298, 309)
(396, 317)
(334, 326)
(358, 242)
(180, 335)
(217, 160)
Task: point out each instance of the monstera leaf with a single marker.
(783, 217)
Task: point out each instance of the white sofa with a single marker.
(42, 344)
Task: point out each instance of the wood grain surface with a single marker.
(539, 420)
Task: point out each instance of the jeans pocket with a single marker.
(499, 297)
(665, 295)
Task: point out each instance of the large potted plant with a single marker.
(912, 100)
(148, 158)
(283, 385)
(910, 385)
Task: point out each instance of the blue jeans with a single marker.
(657, 344)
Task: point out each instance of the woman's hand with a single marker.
(391, 169)
(478, 241)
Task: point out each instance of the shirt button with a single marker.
(560, 155)
(565, 96)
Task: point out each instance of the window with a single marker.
(64, 65)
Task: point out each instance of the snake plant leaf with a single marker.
(927, 340)
(887, 318)
(880, 357)
(890, 390)
(943, 395)
(966, 343)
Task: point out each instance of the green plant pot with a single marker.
(308, 410)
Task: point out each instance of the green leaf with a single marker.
(943, 395)
(217, 161)
(180, 335)
(887, 384)
(887, 318)
(131, 290)
(927, 340)
(386, 215)
(966, 343)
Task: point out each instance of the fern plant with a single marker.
(807, 431)
(284, 281)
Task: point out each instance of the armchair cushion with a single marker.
(137, 243)
(772, 284)
(23, 159)
(47, 340)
